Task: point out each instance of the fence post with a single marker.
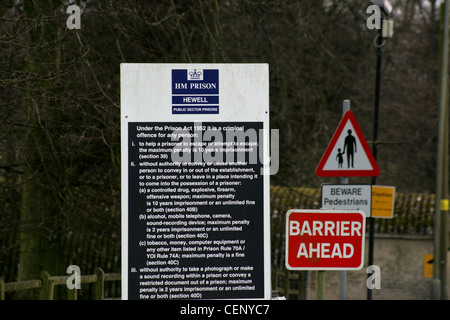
(47, 286)
(72, 294)
(302, 285)
(2, 289)
(320, 284)
(99, 285)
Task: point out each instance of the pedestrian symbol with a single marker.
(350, 147)
(340, 159)
(348, 154)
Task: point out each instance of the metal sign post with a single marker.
(344, 180)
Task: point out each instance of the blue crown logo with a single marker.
(195, 75)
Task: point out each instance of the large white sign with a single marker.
(195, 196)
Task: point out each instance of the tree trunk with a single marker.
(39, 228)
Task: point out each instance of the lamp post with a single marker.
(384, 31)
(439, 281)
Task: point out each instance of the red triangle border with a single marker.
(375, 171)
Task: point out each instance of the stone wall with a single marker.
(399, 250)
(401, 260)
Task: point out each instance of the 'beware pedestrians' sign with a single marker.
(348, 154)
(347, 197)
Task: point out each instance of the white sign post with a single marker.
(195, 199)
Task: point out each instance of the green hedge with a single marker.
(413, 216)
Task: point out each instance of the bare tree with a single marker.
(59, 90)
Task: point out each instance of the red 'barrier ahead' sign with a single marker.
(325, 239)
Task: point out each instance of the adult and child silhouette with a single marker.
(349, 148)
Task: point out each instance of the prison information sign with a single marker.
(195, 193)
(325, 239)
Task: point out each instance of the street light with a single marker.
(385, 31)
(384, 5)
(386, 25)
(439, 282)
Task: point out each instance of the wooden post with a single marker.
(320, 285)
(72, 294)
(48, 285)
(99, 286)
(2, 289)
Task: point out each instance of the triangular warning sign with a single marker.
(348, 154)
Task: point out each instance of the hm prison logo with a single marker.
(195, 91)
(195, 75)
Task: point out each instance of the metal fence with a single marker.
(46, 285)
